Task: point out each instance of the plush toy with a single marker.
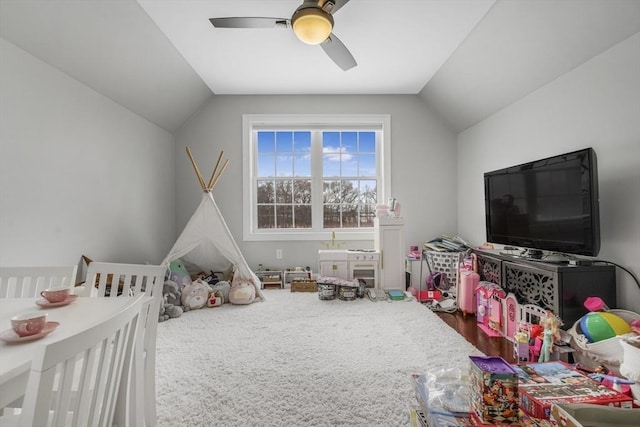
(171, 292)
(178, 273)
(215, 299)
(212, 278)
(195, 295)
(162, 316)
(170, 307)
(169, 311)
(173, 310)
(223, 287)
(242, 292)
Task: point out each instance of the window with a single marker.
(306, 175)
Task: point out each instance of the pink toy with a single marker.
(595, 304)
(489, 314)
(469, 280)
(511, 317)
(535, 343)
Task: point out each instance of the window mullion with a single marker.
(316, 180)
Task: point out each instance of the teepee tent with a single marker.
(206, 240)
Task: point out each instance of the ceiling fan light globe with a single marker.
(312, 25)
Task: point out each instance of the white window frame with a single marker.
(252, 123)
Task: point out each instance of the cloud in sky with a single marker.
(334, 154)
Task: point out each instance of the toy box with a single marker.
(579, 415)
(493, 390)
(543, 384)
(304, 285)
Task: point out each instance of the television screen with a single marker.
(549, 204)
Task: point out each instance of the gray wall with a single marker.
(79, 174)
(423, 164)
(595, 105)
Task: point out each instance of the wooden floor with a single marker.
(466, 326)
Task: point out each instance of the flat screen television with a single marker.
(546, 205)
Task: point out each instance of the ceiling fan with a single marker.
(312, 23)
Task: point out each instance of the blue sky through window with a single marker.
(284, 154)
(287, 153)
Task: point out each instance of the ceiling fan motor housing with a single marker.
(311, 24)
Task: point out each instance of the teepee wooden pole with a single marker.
(215, 181)
(197, 171)
(213, 174)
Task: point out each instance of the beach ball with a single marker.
(601, 325)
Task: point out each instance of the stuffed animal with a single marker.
(195, 295)
(223, 287)
(171, 292)
(173, 310)
(178, 273)
(212, 278)
(170, 307)
(242, 292)
(169, 311)
(162, 316)
(215, 299)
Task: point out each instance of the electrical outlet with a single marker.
(278, 253)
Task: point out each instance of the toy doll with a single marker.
(551, 324)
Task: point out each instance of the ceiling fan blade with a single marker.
(249, 22)
(338, 52)
(338, 5)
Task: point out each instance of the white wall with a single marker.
(595, 105)
(79, 174)
(423, 158)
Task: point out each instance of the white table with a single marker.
(15, 358)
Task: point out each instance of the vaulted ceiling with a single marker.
(466, 59)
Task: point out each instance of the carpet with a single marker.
(295, 360)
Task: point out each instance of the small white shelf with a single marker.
(289, 275)
(270, 278)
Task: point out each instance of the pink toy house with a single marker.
(489, 316)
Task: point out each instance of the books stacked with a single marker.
(396, 295)
(446, 244)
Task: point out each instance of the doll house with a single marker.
(489, 315)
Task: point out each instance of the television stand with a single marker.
(561, 288)
(536, 255)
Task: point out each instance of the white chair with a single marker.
(112, 280)
(75, 380)
(28, 282)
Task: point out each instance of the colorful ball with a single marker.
(601, 325)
